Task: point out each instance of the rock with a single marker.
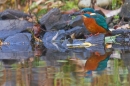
(120, 31)
(104, 3)
(86, 32)
(126, 60)
(123, 47)
(77, 21)
(66, 17)
(19, 38)
(111, 25)
(17, 43)
(99, 40)
(125, 13)
(62, 23)
(75, 13)
(87, 3)
(11, 27)
(99, 43)
(52, 55)
(59, 25)
(76, 30)
(49, 19)
(55, 40)
(54, 20)
(16, 55)
(123, 39)
(84, 3)
(19, 47)
(13, 14)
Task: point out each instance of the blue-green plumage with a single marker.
(100, 20)
(88, 10)
(103, 64)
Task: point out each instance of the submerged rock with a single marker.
(17, 43)
(16, 55)
(54, 40)
(11, 27)
(96, 41)
(18, 47)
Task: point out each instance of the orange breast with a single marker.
(92, 26)
(93, 61)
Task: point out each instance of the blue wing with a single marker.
(103, 64)
(100, 20)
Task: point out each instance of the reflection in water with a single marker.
(74, 69)
(95, 62)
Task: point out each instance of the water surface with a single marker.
(43, 67)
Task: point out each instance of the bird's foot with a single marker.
(87, 36)
(97, 34)
(97, 53)
(90, 35)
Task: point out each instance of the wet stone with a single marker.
(11, 27)
(62, 23)
(121, 31)
(59, 25)
(18, 47)
(50, 18)
(15, 55)
(18, 42)
(54, 40)
(123, 38)
(66, 17)
(76, 30)
(77, 21)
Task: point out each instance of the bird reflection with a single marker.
(97, 62)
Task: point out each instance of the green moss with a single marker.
(70, 5)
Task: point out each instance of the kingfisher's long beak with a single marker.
(93, 14)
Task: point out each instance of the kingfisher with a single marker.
(94, 22)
